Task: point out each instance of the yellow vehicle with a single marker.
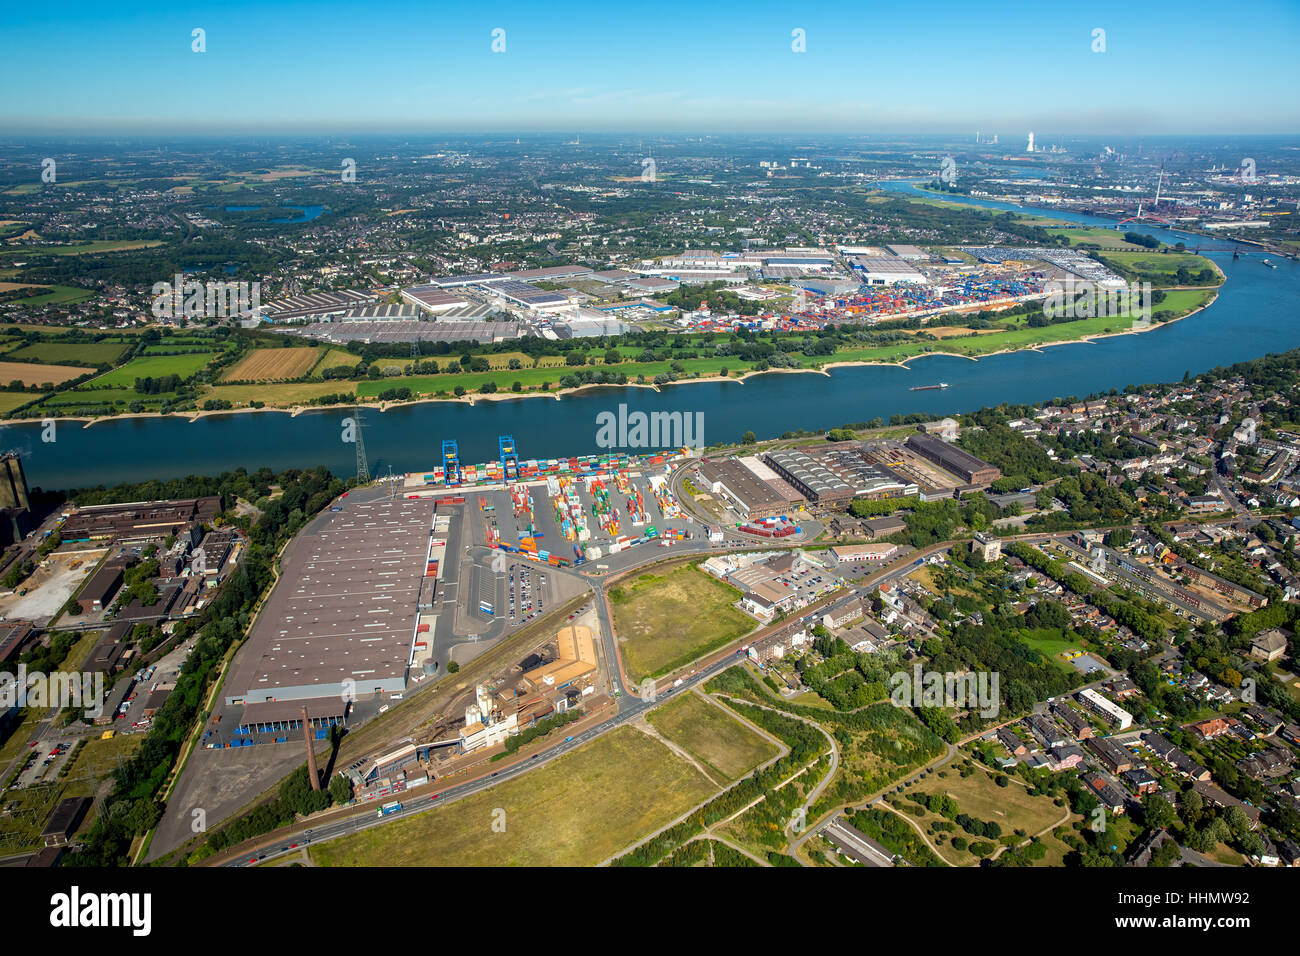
(108, 735)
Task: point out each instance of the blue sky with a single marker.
(1168, 67)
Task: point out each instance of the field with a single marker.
(576, 810)
(338, 358)
(293, 393)
(1011, 807)
(273, 365)
(153, 366)
(86, 248)
(1096, 235)
(11, 400)
(664, 619)
(30, 373)
(1159, 266)
(59, 295)
(713, 737)
(71, 353)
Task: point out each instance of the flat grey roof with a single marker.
(346, 604)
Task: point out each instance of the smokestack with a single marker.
(312, 773)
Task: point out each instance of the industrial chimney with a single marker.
(312, 773)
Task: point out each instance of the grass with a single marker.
(152, 366)
(576, 810)
(337, 358)
(71, 353)
(664, 619)
(283, 393)
(1051, 645)
(31, 373)
(1011, 807)
(58, 295)
(11, 400)
(85, 248)
(1157, 265)
(712, 736)
(273, 364)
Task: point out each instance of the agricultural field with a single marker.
(31, 373)
(277, 393)
(152, 366)
(283, 364)
(70, 353)
(577, 810)
(713, 736)
(337, 358)
(663, 619)
(87, 248)
(11, 400)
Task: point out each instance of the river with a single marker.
(1253, 315)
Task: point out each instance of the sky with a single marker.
(128, 67)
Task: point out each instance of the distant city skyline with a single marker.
(1166, 68)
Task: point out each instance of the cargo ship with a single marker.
(926, 388)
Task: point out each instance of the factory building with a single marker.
(960, 462)
(751, 495)
(886, 270)
(432, 299)
(811, 478)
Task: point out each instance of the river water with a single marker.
(1254, 314)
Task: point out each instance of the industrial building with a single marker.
(408, 331)
(751, 495)
(138, 520)
(432, 299)
(810, 478)
(886, 270)
(342, 622)
(854, 553)
(575, 659)
(315, 305)
(960, 462)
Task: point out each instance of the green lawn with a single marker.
(152, 366)
(710, 734)
(70, 353)
(576, 810)
(664, 619)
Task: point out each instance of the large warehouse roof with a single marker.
(345, 607)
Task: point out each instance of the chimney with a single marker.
(312, 774)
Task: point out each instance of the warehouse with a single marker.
(99, 590)
(752, 496)
(314, 305)
(961, 463)
(341, 622)
(811, 478)
(867, 478)
(432, 299)
(550, 273)
(854, 553)
(886, 270)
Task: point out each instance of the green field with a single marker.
(665, 619)
(11, 400)
(1159, 266)
(576, 810)
(85, 248)
(69, 353)
(1096, 235)
(59, 295)
(152, 366)
(712, 736)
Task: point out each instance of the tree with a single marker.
(452, 667)
(340, 789)
(748, 438)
